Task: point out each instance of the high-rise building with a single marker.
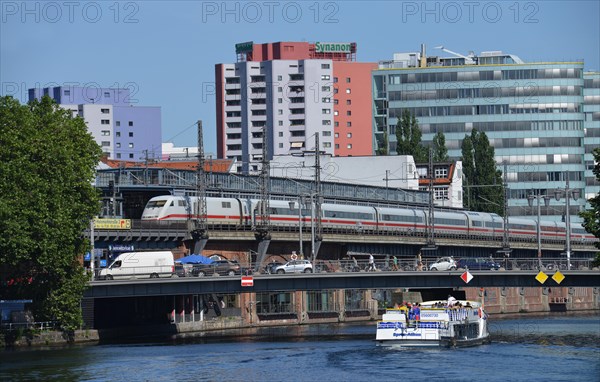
(293, 90)
(591, 126)
(534, 115)
(124, 131)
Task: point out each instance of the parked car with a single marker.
(294, 266)
(443, 264)
(478, 263)
(220, 267)
(270, 267)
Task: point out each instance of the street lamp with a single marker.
(568, 194)
(292, 204)
(530, 199)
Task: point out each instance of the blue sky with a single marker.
(166, 51)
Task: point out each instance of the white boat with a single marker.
(464, 324)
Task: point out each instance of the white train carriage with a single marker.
(408, 221)
(485, 225)
(340, 216)
(280, 213)
(521, 229)
(552, 231)
(451, 224)
(220, 211)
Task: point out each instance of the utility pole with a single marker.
(505, 241)
(318, 196)
(200, 231)
(262, 229)
(430, 224)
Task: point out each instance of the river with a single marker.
(552, 348)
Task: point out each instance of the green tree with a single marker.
(408, 138)
(440, 151)
(591, 217)
(383, 147)
(483, 181)
(47, 164)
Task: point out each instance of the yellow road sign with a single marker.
(558, 277)
(112, 223)
(541, 277)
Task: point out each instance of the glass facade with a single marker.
(543, 120)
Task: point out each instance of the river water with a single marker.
(553, 348)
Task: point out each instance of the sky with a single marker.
(165, 51)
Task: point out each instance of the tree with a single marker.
(47, 164)
(440, 151)
(383, 147)
(408, 138)
(482, 182)
(591, 217)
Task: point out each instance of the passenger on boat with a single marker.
(451, 301)
(417, 311)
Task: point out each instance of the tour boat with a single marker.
(434, 324)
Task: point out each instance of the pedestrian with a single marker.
(395, 265)
(419, 262)
(371, 262)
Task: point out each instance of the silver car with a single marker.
(294, 266)
(443, 264)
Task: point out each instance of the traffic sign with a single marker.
(466, 277)
(558, 277)
(247, 281)
(541, 277)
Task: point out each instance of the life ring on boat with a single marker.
(294, 257)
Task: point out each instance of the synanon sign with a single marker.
(333, 47)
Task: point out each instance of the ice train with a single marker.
(365, 219)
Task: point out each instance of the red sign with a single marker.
(247, 281)
(466, 277)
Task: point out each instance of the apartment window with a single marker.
(324, 66)
(105, 143)
(105, 133)
(130, 156)
(326, 100)
(107, 94)
(118, 134)
(335, 91)
(349, 135)
(280, 89)
(349, 124)
(335, 101)
(280, 123)
(281, 134)
(337, 146)
(66, 92)
(118, 123)
(326, 111)
(105, 122)
(337, 135)
(336, 124)
(130, 145)
(104, 111)
(335, 79)
(131, 134)
(325, 88)
(325, 77)
(326, 145)
(327, 133)
(279, 100)
(118, 145)
(118, 155)
(348, 102)
(336, 113)
(348, 91)
(130, 123)
(349, 145)
(348, 113)
(279, 78)
(347, 80)
(281, 145)
(280, 112)
(326, 122)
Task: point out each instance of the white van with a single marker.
(140, 265)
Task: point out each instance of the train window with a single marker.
(181, 203)
(348, 215)
(401, 218)
(226, 204)
(456, 222)
(477, 223)
(493, 224)
(156, 203)
(521, 226)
